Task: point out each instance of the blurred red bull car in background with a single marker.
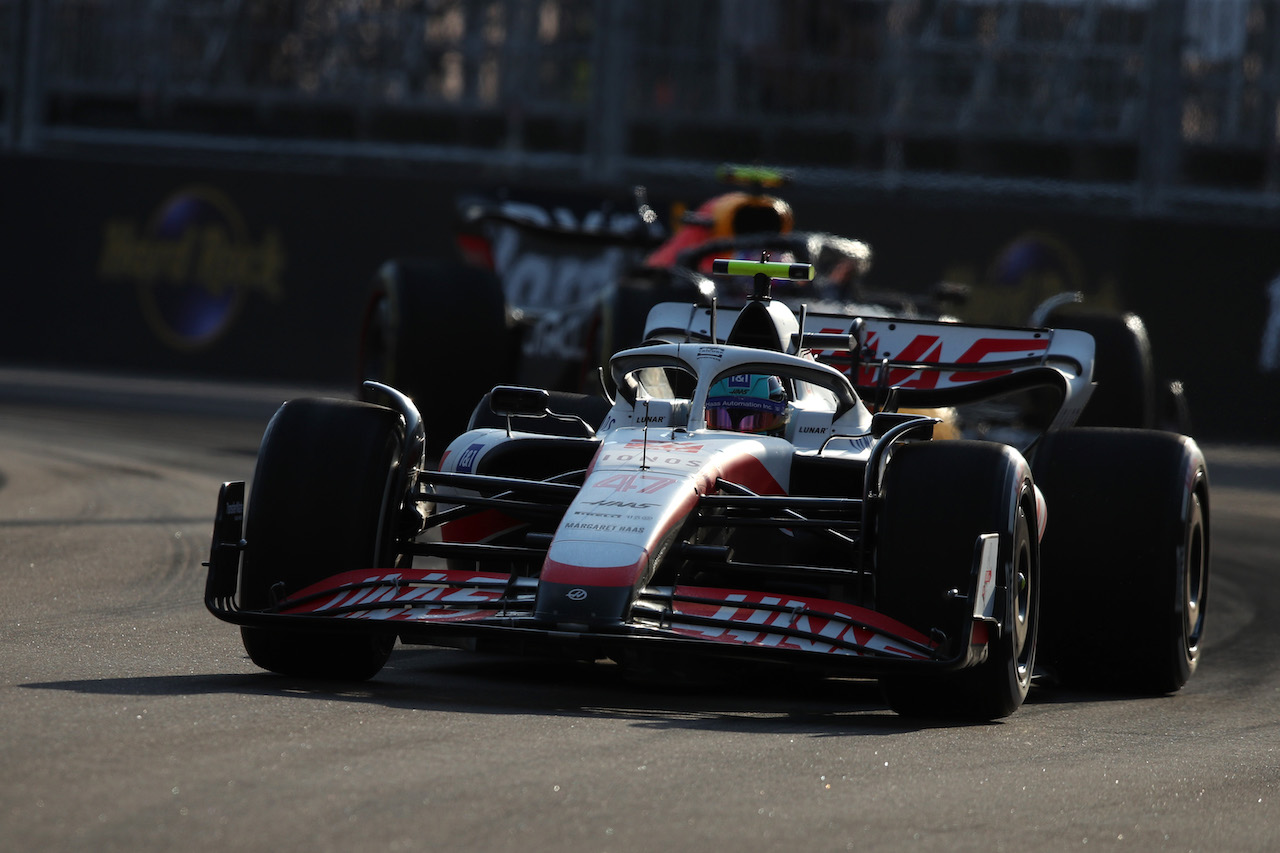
(541, 294)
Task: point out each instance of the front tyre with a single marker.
(938, 499)
(325, 495)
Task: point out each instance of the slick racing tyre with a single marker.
(1126, 392)
(938, 498)
(1126, 558)
(325, 493)
(437, 332)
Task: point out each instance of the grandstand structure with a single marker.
(1150, 107)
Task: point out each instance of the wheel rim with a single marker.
(1195, 580)
(1022, 598)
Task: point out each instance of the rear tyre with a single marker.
(1126, 558)
(938, 498)
(324, 497)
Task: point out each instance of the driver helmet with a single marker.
(748, 402)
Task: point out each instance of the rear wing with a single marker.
(548, 256)
(606, 222)
(922, 363)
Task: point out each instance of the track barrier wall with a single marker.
(173, 270)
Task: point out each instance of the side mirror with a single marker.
(510, 401)
(882, 422)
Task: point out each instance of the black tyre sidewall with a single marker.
(1121, 521)
(938, 498)
(444, 343)
(1126, 392)
(322, 498)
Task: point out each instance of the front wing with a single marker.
(452, 607)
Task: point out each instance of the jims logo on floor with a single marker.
(192, 263)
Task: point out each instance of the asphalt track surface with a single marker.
(130, 718)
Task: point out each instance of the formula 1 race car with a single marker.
(554, 291)
(887, 498)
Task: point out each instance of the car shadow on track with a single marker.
(469, 683)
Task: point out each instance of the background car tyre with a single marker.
(324, 498)
(1126, 392)
(437, 332)
(938, 498)
(1126, 558)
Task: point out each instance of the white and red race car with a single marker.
(897, 499)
